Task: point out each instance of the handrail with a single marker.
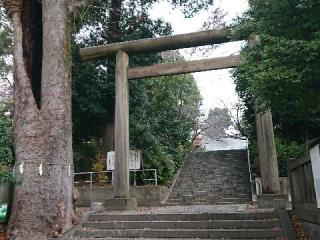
(155, 179)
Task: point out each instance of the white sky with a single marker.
(216, 87)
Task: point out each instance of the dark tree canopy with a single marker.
(163, 111)
(282, 71)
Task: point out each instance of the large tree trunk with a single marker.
(42, 205)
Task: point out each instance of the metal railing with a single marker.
(146, 181)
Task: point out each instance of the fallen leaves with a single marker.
(298, 227)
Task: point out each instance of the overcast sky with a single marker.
(216, 87)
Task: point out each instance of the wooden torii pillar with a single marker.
(267, 153)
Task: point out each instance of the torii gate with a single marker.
(267, 153)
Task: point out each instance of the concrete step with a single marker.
(181, 233)
(215, 224)
(181, 216)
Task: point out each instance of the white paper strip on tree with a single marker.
(134, 160)
(315, 162)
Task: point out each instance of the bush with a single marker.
(6, 175)
(6, 156)
(285, 151)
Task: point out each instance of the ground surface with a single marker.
(230, 208)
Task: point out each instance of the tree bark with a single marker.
(42, 205)
(108, 138)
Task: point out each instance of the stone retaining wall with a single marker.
(147, 196)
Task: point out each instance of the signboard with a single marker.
(315, 162)
(134, 160)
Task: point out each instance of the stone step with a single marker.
(215, 195)
(210, 196)
(209, 175)
(213, 200)
(214, 224)
(155, 239)
(181, 216)
(168, 204)
(181, 233)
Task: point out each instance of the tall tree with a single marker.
(111, 21)
(93, 98)
(217, 122)
(5, 53)
(163, 117)
(282, 72)
(42, 205)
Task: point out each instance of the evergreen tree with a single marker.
(282, 71)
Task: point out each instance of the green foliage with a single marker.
(93, 91)
(285, 152)
(5, 55)
(191, 7)
(98, 166)
(254, 157)
(5, 43)
(6, 155)
(163, 111)
(282, 71)
(6, 175)
(84, 156)
(162, 119)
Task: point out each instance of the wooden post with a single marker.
(121, 173)
(267, 153)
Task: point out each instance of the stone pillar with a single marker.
(121, 200)
(267, 153)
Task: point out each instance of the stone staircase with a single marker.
(220, 177)
(240, 225)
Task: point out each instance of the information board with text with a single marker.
(134, 160)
